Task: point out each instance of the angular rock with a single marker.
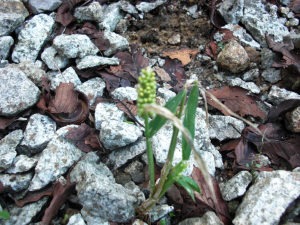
(39, 131)
(44, 6)
(165, 93)
(107, 111)
(25, 214)
(148, 6)
(76, 219)
(59, 155)
(50, 57)
(125, 93)
(74, 45)
(231, 10)
(292, 120)
(91, 219)
(8, 146)
(127, 7)
(93, 61)
(267, 199)
(117, 43)
(121, 156)
(268, 58)
(22, 163)
(260, 18)
(17, 92)
(93, 12)
(30, 69)
(111, 17)
(122, 26)
(277, 95)
(236, 186)
(209, 218)
(251, 75)
(98, 192)
(209, 161)
(159, 211)
(174, 40)
(271, 75)
(122, 178)
(233, 57)
(138, 222)
(135, 170)
(69, 75)
(16, 182)
(92, 88)
(12, 15)
(294, 22)
(5, 42)
(252, 87)
(32, 37)
(131, 186)
(116, 134)
(245, 38)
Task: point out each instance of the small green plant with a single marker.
(221, 45)
(129, 122)
(5, 214)
(147, 108)
(80, 20)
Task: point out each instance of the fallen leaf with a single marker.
(295, 6)
(230, 145)
(236, 99)
(112, 82)
(127, 107)
(182, 54)
(282, 108)
(228, 34)
(92, 140)
(211, 49)
(2, 188)
(34, 196)
(164, 76)
(64, 15)
(66, 99)
(4, 122)
(175, 70)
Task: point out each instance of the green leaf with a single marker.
(171, 214)
(126, 121)
(5, 215)
(187, 187)
(257, 165)
(189, 121)
(162, 222)
(247, 164)
(159, 121)
(191, 183)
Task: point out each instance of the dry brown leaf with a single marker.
(4, 122)
(164, 76)
(92, 140)
(34, 196)
(184, 55)
(127, 107)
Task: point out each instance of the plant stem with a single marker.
(149, 156)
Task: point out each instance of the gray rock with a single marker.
(258, 21)
(148, 6)
(209, 218)
(231, 10)
(121, 156)
(236, 186)
(192, 11)
(16, 182)
(159, 211)
(117, 43)
(131, 186)
(91, 219)
(111, 17)
(138, 222)
(107, 111)
(161, 62)
(5, 42)
(165, 93)
(209, 161)
(271, 75)
(69, 75)
(24, 215)
(115, 134)
(43, 6)
(50, 57)
(76, 219)
(251, 75)
(3, 63)
(174, 40)
(135, 170)
(93, 12)
(39, 131)
(125, 93)
(267, 199)
(32, 37)
(218, 37)
(8, 146)
(17, 92)
(59, 155)
(252, 87)
(74, 45)
(93, 60)
(285, 2)
(294, 22)
(98, 192)
(92, 88)
(245, 38)
(22, 163)
(127, 7)
(122, 26)
(268, 58)
(277, 95)
(12, 15)
(31, 70)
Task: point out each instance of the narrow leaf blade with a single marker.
(5, 215)
(187, 187)
(191, 183)
(189, 121)
(159, 121)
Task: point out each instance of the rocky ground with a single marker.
(98, 48)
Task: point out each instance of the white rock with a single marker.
(271, 75)
(125, 93)
(107, 111)
(252, 87)
(117, 43)
(277, 95)
(16, 182)
(5, 42)
(165, 93)
(231, 10)
(76, 219)
(159, 211)
(251, 75)
(111, 17)
(93, 60)
(148, 6)
(50, 57)
(209, 218)
(91, 219)
(93, 12)
(69, 75)
(22, 163)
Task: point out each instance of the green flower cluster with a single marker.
(146, 89)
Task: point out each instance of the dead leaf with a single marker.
(78, 135)
(164, 76)
(182, 54)
(66, 99)
(295, 6)
(92, 140)
(236, 99)
(127, 107)
(64, 12)
(34, 196)
(230, 145)
(4, 122)
(211, 49)
(175, 70)
(282, 108)
(2, 188)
